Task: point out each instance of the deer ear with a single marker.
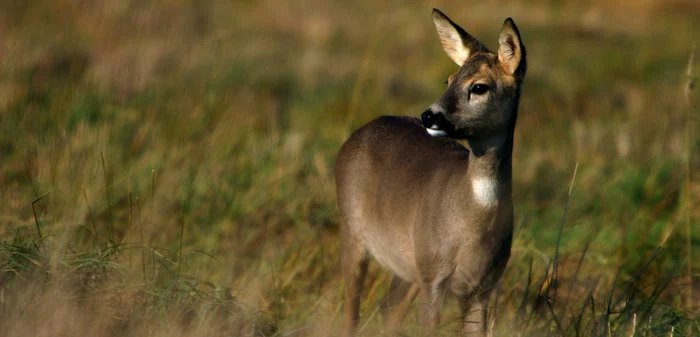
(511, 52)
(456, 42)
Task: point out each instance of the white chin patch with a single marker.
(436, 133)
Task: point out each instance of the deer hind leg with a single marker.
(354, 261)
(475, 314)
(397, 302)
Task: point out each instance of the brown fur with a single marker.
(420, 204)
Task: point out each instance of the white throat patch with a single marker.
(485, 191)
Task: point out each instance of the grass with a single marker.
(167, 168)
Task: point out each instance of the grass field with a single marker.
(166, 167)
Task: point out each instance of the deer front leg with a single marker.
(431, 296)
(475, 315)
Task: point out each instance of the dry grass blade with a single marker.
(687, 90)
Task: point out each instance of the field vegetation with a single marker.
(166, 167)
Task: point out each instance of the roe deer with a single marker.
(435, 214)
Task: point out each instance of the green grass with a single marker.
(167, 169)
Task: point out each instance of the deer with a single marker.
(435, 214)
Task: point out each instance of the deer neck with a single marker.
(490, 170)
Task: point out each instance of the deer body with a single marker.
(438, 216)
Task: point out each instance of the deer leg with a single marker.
(354, 263)
(431, 295)
(475, 314)
(397, 301)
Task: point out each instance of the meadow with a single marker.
(166, 167)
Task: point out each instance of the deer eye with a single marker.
(479, 89)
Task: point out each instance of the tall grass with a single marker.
(167, 168)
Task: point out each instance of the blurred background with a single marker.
(166, 167)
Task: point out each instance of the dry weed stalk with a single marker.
(690, 82)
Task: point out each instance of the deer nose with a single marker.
(428, 118)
